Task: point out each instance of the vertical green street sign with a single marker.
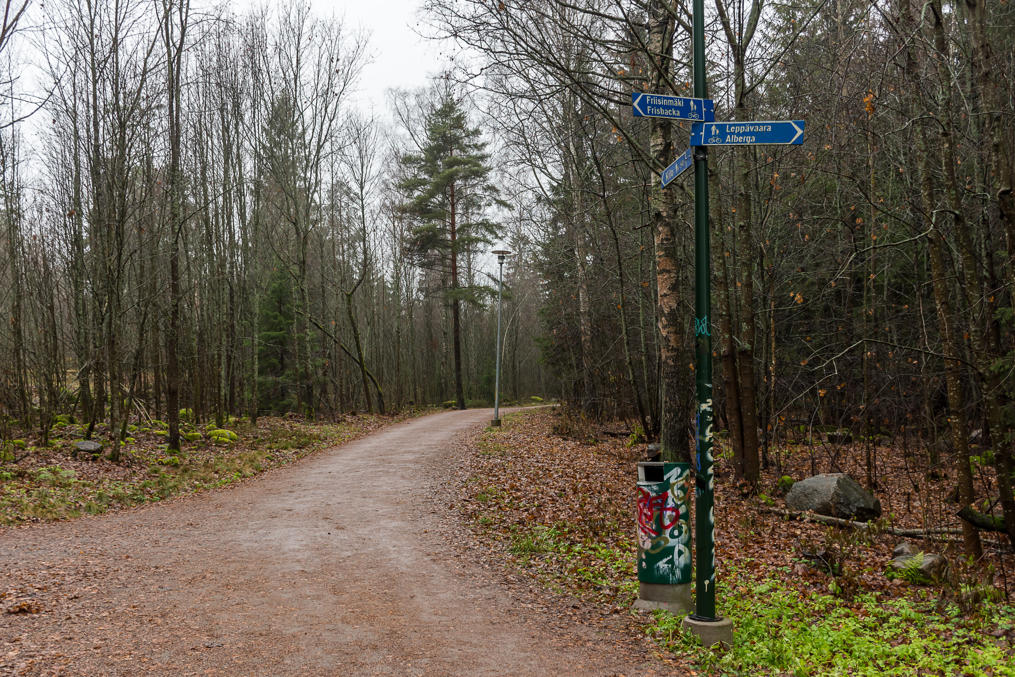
(704, 520)
(704, 620)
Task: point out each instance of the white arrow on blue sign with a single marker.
(677, 168)
(761, 133)
(673, 107)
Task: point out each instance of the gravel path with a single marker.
(333, 566)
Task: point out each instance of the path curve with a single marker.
(326, 567)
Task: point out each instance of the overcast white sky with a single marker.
(399, 57)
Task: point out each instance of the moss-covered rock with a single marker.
(228, 435)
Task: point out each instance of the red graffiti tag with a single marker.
(648, 506)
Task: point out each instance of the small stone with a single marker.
(922, 568)
(905, 548)
(88, 447)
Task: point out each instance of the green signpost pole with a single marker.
(704, 622)
(705, 131)
(704, 522)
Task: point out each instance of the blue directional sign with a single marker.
(673, 107)
(677, 168)
(762, 133)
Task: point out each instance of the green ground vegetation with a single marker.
(54, 482)
(783, 625)
(780, 630)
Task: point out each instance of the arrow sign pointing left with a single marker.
(677, 168)
(761, 133)
(673, 107)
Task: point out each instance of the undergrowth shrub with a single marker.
(779, 630)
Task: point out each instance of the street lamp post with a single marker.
(501, 255)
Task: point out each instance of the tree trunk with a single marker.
(730, 373)
(673, 427)
(971, 284)
(456, 319)
(174, 43)
(744, 408)
(942, 300)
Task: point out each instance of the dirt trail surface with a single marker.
(334, 566)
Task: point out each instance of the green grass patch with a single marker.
(536, 541)
(149, 472)
(490, 447)
(487, 494)
(779, 630)
(581, 564)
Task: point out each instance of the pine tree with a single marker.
(276, 366)
(449, 196)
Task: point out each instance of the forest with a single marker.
(194, 220)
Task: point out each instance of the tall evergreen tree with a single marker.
(276, 364)
(449, 196)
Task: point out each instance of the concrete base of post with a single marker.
(495, 423)
(673, 598)
(718, 631)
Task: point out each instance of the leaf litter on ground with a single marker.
(560, 510)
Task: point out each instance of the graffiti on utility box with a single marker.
(664, 534)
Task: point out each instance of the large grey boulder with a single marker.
(835, 495)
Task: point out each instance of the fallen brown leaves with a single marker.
(576, 496)
(562, 511)
(555, 516)
(24, 606)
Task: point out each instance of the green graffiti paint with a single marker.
(664, 532)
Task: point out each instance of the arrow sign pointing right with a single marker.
(760, 133)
